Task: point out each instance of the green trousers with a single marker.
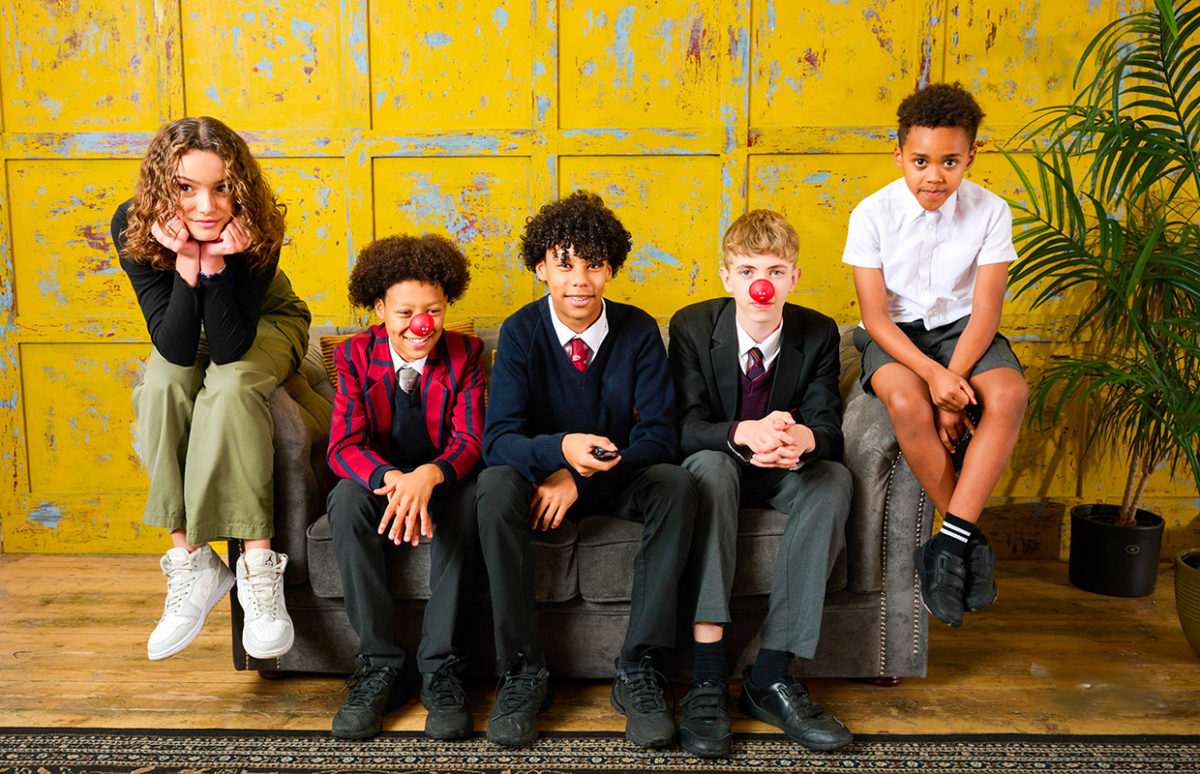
(204, 431)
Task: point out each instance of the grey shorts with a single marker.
(938, 344)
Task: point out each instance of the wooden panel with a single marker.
(256, 65)
(316, 258)
(479, 203)
(623, 67)
(1014, 56)
(64, 261)
(80, 417)
(72, 67)
(669, 204)
(439, 68)
(836, 64)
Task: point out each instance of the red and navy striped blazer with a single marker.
(452, 386)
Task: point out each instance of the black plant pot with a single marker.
(1121, 561)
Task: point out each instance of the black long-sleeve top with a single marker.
(227, 305)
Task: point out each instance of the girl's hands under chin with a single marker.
(173, 235)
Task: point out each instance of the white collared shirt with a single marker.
(399, 362)
(593, 336)
(769, 347)
(929, 258)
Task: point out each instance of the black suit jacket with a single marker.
(703, 356)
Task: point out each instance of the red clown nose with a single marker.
(762, 290)
(421, 324)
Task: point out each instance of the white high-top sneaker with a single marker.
(196, 582)
(267, 631)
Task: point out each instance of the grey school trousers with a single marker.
(204, 431)
(816, 500)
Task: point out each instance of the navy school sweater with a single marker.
(537, 396)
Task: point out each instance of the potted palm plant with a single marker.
(1107, 234)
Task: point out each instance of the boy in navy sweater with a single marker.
(581, 420)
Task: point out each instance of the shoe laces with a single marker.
(517, 690)
(265, 589)
(446, 688)
(179, 584)
(645, 686)
(368, 682)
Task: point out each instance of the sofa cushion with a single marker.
(556, 578)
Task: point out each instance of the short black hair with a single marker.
(938, 105)
(582, 221)
(429, 258)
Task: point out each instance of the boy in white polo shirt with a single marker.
(930, 253)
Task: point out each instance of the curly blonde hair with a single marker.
(156, 196)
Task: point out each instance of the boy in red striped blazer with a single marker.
(407, 423)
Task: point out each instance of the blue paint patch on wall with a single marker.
(500, 17)
(47, 515)
(266, 67)
(211, 93)
(437, 39)
(818, 177)
(621, 49)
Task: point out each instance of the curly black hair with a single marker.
(937, 105)
(582, 221)
(428, 258)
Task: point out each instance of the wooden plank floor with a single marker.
(1046, 658)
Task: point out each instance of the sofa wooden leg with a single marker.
(888, 682)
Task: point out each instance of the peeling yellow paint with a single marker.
(463, 117)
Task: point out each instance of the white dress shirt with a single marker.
(929, 258)
(593, 336)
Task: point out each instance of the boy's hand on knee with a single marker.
(766, 435)
(552, 499)
(949, 391)
(577, 451)
(408, 503)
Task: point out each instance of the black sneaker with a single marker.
(943, 579)
(522, 695)
(980, 585)
(374, 692)
(704, 726)
(786, 704)
(637, 693)
(445, 698)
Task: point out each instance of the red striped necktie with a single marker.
(579, 352)
(756, 370)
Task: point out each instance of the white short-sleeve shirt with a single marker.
(929, 258)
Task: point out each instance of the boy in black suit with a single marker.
(756, 382)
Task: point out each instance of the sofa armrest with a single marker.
(302, 478)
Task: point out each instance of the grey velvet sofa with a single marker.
(874, 625)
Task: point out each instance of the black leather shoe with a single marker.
(522, 695)
(704, 726)
(786, 704)
(374, 692)
(637, 693)
(943, 580)
(445, 698)
(980, 583)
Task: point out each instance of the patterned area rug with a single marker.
(41, 751)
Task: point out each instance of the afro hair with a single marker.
(429, 258)
(938, 105)
(580, 221)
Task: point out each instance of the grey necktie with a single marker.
(407, 378)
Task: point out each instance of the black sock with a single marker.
(770, 666)
(708, 662)
(954, 535)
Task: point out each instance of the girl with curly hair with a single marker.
(200, 242)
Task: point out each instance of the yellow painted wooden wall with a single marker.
(465, 116)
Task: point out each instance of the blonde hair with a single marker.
(156, 196)
(761, 232)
